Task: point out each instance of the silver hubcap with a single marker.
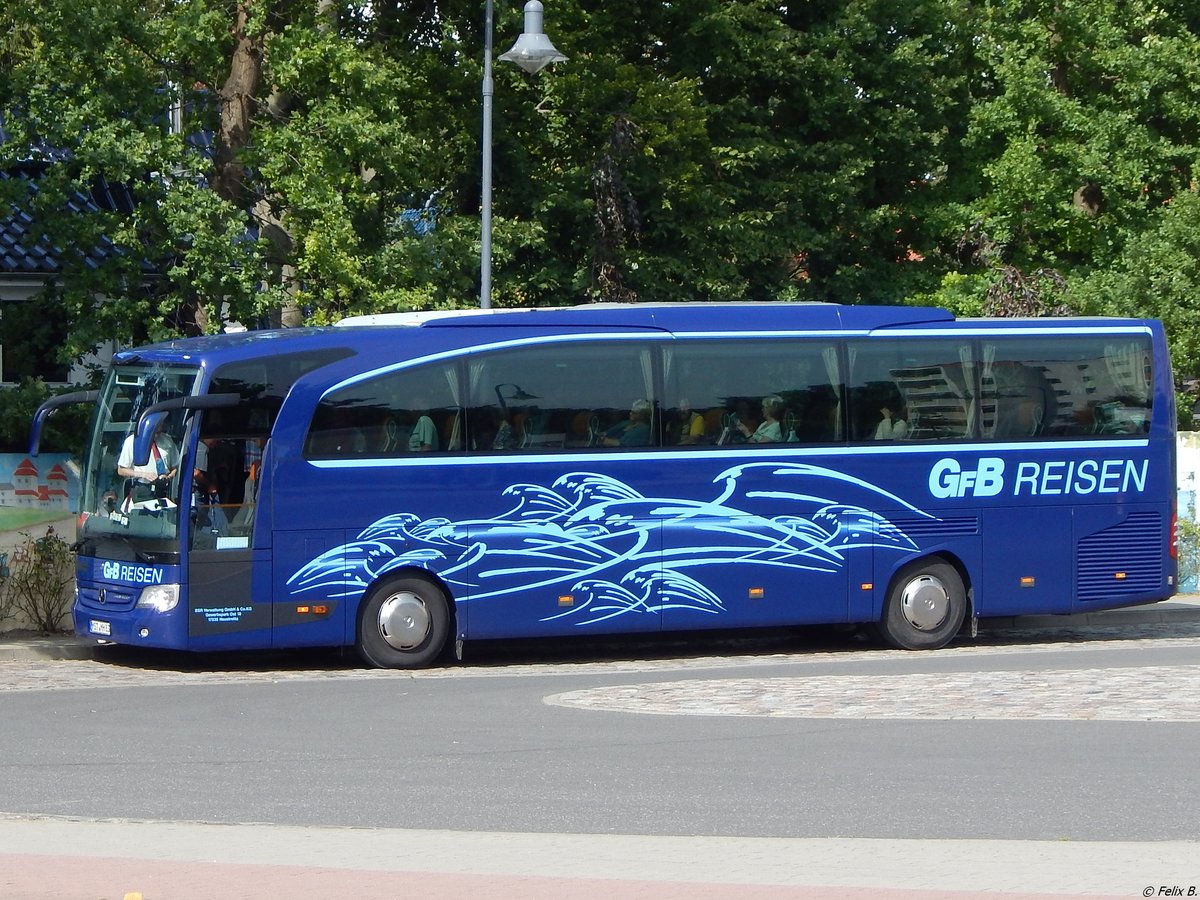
(925, 602)
(403, 620)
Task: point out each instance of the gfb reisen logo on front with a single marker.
(990, 477)
(115, 571)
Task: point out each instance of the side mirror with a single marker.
(152, 417)
(46, 409)
(144, 436)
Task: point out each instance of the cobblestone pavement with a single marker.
(1150, 693)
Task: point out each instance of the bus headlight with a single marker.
(159, 597)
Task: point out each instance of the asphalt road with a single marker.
(1014, 738)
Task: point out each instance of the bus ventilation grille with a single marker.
(955, 526)
(1134, 548)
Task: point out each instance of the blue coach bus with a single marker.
(407, 484)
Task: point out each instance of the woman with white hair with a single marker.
(770, 431)
(634, 431)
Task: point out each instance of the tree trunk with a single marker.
(237, 103)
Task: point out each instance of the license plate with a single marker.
(97, 627)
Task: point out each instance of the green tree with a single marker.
(86, 102)
(65, 429)
(1084, 132)
(1158, 275)
(1010, 157)
(706, 149)
(689, 149)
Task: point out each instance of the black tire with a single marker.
(925, 606)
(403, 624)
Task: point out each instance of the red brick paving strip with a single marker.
(37, 877)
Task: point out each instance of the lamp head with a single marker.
(533, 50)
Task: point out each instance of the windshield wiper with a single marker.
(142, 555)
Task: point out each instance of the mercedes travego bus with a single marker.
(412, 482)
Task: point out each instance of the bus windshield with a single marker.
(123, 503)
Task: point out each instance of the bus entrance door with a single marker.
(222, 614)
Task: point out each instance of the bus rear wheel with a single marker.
(404, 624)
(925, 606)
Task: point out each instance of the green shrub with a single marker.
(66, 429)
(1189, 554)
(40, 573)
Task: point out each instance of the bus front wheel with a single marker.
(925, 607)
(404, 624)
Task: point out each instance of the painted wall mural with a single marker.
(619, 552)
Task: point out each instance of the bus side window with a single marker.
(1068, 385)
(544, 398)
(408, 411)
(928, 385)
(722, 386)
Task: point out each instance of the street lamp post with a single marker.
(532, 52)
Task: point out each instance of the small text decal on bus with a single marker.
(115, 571)
(949, 479)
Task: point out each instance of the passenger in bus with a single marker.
(634, 431)
(744, 413)
(687, 425)
(217, 469)
(206, 495)
(204, 476)
(770, 431)
(892, 427)
(252, 458)
(506, 435)
(200, 483)
(423, 438)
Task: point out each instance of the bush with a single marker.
(66, 429)
(40, 572)
(1189, 555)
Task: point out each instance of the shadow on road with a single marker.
(659, 648)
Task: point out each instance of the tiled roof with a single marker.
(25, 250)
(37, 152)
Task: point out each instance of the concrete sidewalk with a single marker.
(50, 858)
(1181, 608)
(1184, 608)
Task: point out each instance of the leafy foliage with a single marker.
(1083, 138)
(64, 431)
(1000, 157)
